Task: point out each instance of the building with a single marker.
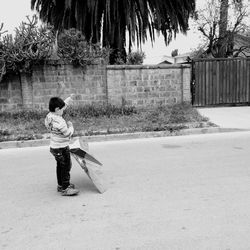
(179, 59)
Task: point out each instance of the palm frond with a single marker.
(114, 17)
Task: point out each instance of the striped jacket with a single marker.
(60, 132)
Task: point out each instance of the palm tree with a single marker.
(110, 20)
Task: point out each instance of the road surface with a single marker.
(187, 192)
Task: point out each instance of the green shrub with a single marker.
(30, 44)
(136, 58)
(73, 47)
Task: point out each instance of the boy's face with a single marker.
(59, 111)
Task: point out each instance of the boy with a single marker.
(60, 135)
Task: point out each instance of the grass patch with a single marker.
(93, 120)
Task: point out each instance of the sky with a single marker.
(13, 12)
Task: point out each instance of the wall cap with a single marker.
(54, 62)
(158, 66)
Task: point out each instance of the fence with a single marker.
(221, 81)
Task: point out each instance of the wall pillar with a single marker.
(27, 90)
(186, 85)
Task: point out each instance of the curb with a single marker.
(123, 136)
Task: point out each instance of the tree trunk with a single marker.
(223, 28)
(117, 45)
(223, 18)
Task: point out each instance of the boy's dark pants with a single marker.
(63, 160)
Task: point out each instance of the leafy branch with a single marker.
(73, 47)
(30, 44)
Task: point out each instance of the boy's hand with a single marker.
(69, 100)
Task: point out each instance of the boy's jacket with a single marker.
(60, 133)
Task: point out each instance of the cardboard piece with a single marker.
(84, 155)
(91, 166)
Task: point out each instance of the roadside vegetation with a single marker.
(96, 120)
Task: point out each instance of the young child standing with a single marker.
(60, 135)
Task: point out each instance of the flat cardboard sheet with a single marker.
(92, 170)
(79, 149)
(85, 155)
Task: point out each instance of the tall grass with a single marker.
(95, 119)
(89, 111)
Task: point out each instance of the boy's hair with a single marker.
(55, 102)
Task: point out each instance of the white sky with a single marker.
(13, 12)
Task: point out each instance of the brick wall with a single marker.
(10, 93)
(88, 84)
(97, 84)
(148, 85)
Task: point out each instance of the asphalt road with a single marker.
(186, 192)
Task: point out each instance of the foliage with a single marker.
(108, 110)
(119, 59)
(89, 120)
(136, 58)
(133, 58)
(72, 46)
(218, 30)
(22, 115)
(108, 22)
(30, 44)
(174, 53)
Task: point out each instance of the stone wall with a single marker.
(10, 93)
(148, 85)
(97, 84)
(88, 84)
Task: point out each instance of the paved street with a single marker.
(187, 192)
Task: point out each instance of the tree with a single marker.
(108, 21)
(218, 30)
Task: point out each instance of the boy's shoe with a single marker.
(60, 188)
(69, 191)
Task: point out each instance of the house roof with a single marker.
(242, 41)
(179, 59)
(165, 62)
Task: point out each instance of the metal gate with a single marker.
(220, 81)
